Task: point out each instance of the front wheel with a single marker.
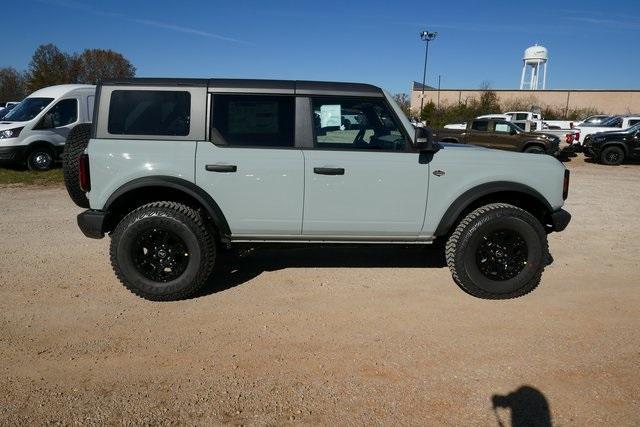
(612, 156)
(162, 251)
(40, 159)
(498, 251)
(535, 149)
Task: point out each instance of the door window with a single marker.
(502, 127)
(63, 113)
(355, 123)
(480, 125)
(253, 120)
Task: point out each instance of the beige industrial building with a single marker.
(604, 101)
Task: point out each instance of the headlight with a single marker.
(10, 133)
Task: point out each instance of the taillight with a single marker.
(577, 137)
(569, 138)
(84, 175)
(565, 185)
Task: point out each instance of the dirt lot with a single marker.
(349, 336)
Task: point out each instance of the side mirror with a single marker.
(513, 131)
(424, 139)
(46, 122)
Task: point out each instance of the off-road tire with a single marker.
(76, 143)
(177, 218)
(462, 245)
(34, 153)
(612, 156)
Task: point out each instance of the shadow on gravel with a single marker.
(528, 407)
(235, 268)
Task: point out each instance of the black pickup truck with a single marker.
(500, 134)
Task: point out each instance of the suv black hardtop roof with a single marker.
(299, 87)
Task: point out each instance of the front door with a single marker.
(56, 123)
(361, 178)
(250, 166)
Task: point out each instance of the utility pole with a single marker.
(426, 37)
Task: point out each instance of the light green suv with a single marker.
(175, 170)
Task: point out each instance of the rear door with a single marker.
(478, 133)
(249, 164)
(361, 181)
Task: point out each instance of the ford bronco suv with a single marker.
(500, 134)
(177, 170)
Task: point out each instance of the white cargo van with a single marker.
(35, 130)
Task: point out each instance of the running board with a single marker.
(386, 240)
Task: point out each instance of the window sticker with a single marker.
(330, 116)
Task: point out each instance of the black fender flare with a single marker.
(182, 185)
(530, 143)
(473, 194)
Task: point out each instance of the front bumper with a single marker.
(560, 219)
(91, 223)
(13, 154)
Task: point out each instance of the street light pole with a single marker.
(426, 37)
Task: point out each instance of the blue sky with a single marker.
(592, 44)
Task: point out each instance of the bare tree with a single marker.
(402, 99)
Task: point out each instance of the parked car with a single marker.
(500, 134)
(614, 123)
(34, 131)
(176, 170)
(614, 147)
(4, 110)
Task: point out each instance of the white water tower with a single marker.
(534, 57)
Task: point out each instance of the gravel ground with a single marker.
(322, 336)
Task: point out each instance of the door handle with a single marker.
(329, 171)
(221, 168)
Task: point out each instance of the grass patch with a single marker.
(27, 177)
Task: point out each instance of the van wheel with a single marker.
(40, 159)
(162, 251)
(498, 251)
(612, 156)
(77, 142)
(535, 149)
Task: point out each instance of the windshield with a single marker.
(634, 128)
(27, 109)
(614, 122)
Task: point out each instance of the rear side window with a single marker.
(148, 112)
(253, 120)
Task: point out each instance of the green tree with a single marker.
(49, 66)
(93, 65)
(12, 85)
(402, 99)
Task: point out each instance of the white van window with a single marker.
(27, 109)
(64, 113)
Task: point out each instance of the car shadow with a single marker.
(528, 407)
(235, 267)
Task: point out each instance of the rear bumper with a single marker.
(91, 223)
(560, 219)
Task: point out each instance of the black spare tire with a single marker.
(76, 143)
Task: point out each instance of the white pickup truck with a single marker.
(614, 123)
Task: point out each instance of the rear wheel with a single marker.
(162, 251)
(40, 159)
(612, 156)
(498, 251)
